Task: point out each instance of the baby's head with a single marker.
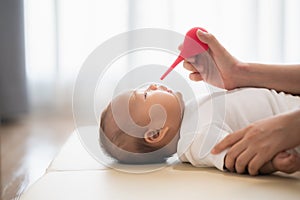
(142, 121)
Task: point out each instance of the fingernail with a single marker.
(213, 151)
(199, 31)
(192, 76)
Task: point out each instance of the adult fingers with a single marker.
(232, 155)
(195, 76)
(191, 60)
(192, 67)
(228, 141)
(267, 168)
(187, 65)
(242, 160)
(211, 41)
(255, 164)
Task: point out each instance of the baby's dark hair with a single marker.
(141, 153)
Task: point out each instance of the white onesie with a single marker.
(208, 119)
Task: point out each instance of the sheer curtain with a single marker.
(60, 35)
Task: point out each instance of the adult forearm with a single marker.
(279, 77)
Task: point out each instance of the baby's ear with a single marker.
(155, 136)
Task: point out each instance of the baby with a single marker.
(151, 124)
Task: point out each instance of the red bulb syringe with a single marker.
(191, 47)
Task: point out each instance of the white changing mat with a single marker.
(74, 174)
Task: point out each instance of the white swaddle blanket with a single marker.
(208, 119)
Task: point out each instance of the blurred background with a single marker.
(45, 42)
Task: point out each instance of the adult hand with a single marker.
(217, 67)
(258, 143)
(287, 162)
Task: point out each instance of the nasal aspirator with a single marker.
(191, 47)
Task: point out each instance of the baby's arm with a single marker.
(288, 162)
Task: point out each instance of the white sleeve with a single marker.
(198, 153)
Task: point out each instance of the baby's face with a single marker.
(141, 105)
(143, 99)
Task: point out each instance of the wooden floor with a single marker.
(27, 147)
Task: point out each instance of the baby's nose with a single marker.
(152, 87)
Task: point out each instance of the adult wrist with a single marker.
(241, 73)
